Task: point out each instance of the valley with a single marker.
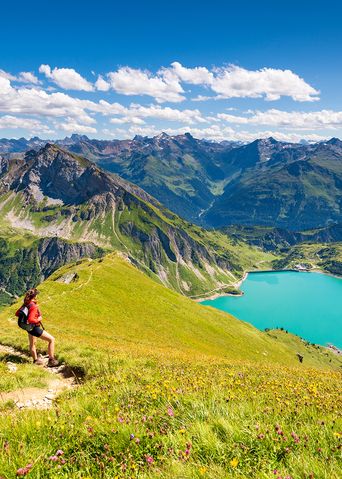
(59, 195)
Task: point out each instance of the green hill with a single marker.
(137, 316)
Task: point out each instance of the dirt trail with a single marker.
(62, 378)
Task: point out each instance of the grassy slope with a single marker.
(135, 315)
(202, 391)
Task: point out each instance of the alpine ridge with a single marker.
(55, 193)
(293, 186)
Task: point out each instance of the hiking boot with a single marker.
(53, 363)
(38, 362)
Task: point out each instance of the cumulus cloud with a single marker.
(167, 113)
(34, 101)
(71, 126)
(271, 83)
(136, 113)
(162, 87)
(28, 77)
(23, 77)
(194, 76)
(21, 95)
(236, 82)
(66, 78)
(326, 119)
(7, 76)
(101, 84)
(13, 122)
(202, 98)
(134, 120)
(226, 82)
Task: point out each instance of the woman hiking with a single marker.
(30, 319)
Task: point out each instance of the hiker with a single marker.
(30, 319)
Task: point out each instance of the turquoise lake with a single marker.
(306, 304)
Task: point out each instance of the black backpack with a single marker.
(22, 319)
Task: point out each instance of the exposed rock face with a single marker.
(3, 165)
(29, 265)
(54, 253)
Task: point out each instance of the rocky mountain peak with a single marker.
(162, 136)
(335, 142)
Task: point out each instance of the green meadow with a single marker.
(169, 388)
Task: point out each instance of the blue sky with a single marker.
(217, 69)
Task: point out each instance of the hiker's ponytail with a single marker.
(30, 295)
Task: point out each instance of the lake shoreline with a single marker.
(301, 287)
(245, 275)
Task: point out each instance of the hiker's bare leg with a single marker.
(51, 343)
(32, 345)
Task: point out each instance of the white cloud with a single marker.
(130, 81)
(66, 78)
(126, 119)
(237, 82)
(233, 118)
(167, 113)
(7, 76)
(73, 127)
(80, 115)
(34, 101)
(13, 122)
(202, 98)
(194, 76)
(324, 119)
(101, 84)
(23, 77)
(28, 77)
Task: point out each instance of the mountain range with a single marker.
(212, 184)
(55, 193)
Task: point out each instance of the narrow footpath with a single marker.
(62, 378)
